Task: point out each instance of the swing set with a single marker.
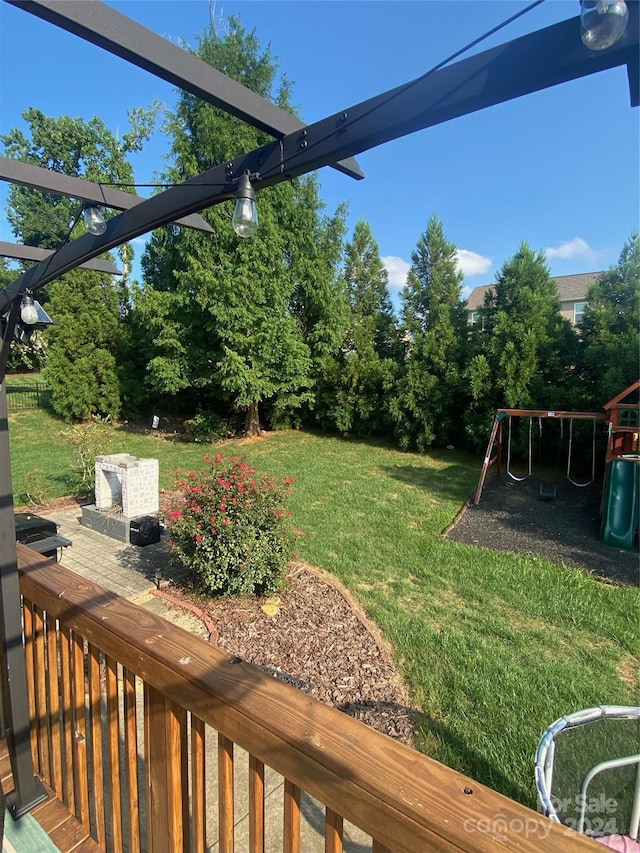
(497, 437)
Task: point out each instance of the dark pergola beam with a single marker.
(35, 253)
(29, 175)
(528, 64)
(111, 30)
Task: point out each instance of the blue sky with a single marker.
(558, 169)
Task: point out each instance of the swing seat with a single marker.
(547, 492)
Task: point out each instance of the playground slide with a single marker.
(620, 511)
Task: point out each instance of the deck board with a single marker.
(68, 835)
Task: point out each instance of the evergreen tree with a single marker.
(525, 355)
(427, 404)
(319, 300)
(82, 362)
(363, 371)
(217, 309)
(611, 329)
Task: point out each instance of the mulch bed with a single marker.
(314, 636)
(512, 517)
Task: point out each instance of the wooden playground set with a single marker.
(620, 503)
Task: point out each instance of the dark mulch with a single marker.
(512, 517)
(314, 636)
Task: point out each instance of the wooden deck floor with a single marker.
(64, 830)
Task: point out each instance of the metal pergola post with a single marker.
(28, 788)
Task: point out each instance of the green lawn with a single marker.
(494, 646)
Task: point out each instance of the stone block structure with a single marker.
(127, 483)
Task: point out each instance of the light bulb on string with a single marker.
(28, 310)
(245, 213)
(602, 22)
(94, 221)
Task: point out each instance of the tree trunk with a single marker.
(252, 424)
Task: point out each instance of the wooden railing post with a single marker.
(291, 828)
(333, 831)
(165, 752)
(225, 794)
(256, 805)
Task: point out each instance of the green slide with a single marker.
(620, 510)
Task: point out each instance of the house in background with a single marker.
(572, 292)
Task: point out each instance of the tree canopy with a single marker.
(427, 406)
(230, 323)
(523, 358)
(86, 344)
(611, 329)
(362, 371)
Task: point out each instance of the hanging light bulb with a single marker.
(28, 310)
(245, 213)
(602, 22)
(94, 221)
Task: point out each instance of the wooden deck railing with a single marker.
(137, 726)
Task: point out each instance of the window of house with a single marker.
(578, 312)
(476, 320)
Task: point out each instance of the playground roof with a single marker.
(621, 396)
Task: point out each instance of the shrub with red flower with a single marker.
(230, 529)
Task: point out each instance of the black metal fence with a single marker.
(24, 397)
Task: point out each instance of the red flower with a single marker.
(191, 474)
(198, 537)
(226, 521)
(207, 457)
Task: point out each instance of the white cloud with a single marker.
(576, 248)
(397, 270)
(471, 263)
